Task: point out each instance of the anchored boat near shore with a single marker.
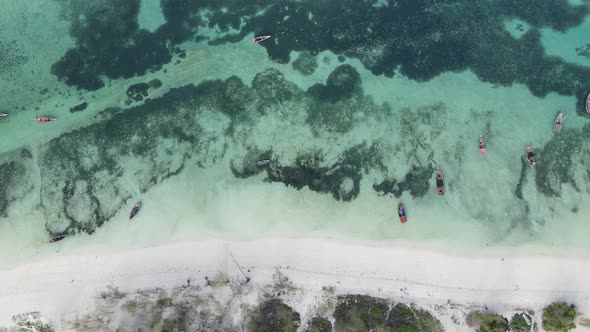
(263, 162)
(44, 119)
(401, 213)
(58, 237)
(482, 145)
(135, 210)
(440, 185)
(558, 123)
(530, 156)
(260, 38)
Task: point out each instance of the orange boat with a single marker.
(588, 103)
(401, 213)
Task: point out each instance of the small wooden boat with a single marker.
(402, 213)
(482, 145)
(530, 156)
(260, 38)
(2, 115)
(440, 184)
(263, 162)
(135, 210)
(45, 119)
(588, 103)
(58, 237)
(558, 123)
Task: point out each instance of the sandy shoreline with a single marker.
(62, 285)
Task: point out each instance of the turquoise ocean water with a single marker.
(355, 104)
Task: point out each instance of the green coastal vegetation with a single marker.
(206, 308)
(319, 324)
(519, 323)
(559, 317)
(487, 321)
(351, 313)
(364, 313)
(274, 316)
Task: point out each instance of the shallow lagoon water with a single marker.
(345, 145)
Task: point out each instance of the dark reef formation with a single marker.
(419, 38)
(343, 82)
(341, 179)
(138, 91)
(306, 63)
(557, 166)
(87, 175)
(338, 101)
(15, 177)
(79, 108)
(417, 182)
(12, 58)
(109, 42)
(425, 38)
(343, 94)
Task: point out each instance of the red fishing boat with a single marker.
(440, 184)
(44, 119)
(482, 145)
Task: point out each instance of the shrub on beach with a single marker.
(31, 321)
(365, 313)
(407, 319)
(359, 313)
(559, 316)
(220, 280)
(427, 321)
(495, 323)
(274, 316)
(486, 321)
(519, 324)
(319, 324)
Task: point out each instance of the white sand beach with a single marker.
(67, 284)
